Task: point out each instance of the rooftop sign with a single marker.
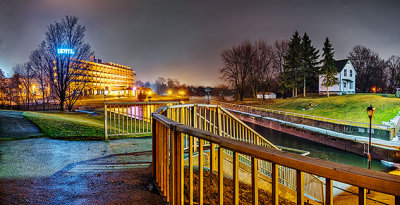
(65, 51)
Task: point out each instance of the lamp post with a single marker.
(370, 112)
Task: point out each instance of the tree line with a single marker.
(286, 66)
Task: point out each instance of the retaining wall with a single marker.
(379, 153)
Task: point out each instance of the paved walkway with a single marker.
(47, 171)
(14, 125)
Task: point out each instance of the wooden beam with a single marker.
(201, 172)
(235, 178)
(254, 180)
(220, 176)
(362, 196)
(275, 184)
(329, 192)
(300, 187)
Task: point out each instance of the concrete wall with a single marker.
(360, 148)
(346, 129)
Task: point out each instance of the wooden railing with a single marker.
(129, 118)
(292, 176)
(169, 166)
(252, 109)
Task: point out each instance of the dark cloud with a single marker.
(184, 39)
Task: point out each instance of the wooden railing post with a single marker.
(154, 147)
(300, 187)
(172, 168)
(362, 198)
(105, 122)
(254, 180)
(236, 178)
(220, 176)
(329, 192)
(275, 184)
(201, 172)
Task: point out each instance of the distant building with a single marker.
(347, 79)
(267, 95)
(117, 79)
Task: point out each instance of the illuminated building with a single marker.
(117, 79)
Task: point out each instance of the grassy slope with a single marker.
(346, 107)
(69, 125)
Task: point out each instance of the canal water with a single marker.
(318, 150)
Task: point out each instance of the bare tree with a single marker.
(26, 77)
(265, 73)
(393, 73)
(3, 89)
(369, 67)
(161, 86)
(66, 70)
(40, 67)
(238, 62)
(280, 50)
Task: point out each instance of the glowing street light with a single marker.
(370, 112)
(169, 92)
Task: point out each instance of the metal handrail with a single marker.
(325, 119)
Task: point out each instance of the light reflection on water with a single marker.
(318, 150)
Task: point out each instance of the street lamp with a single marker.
(370, 112)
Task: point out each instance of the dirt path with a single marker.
(14, 125)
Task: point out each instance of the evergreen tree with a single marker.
(328, 68)
(309, 56)
(290, 77)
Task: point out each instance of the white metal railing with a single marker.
(252, 109)
(129, 118)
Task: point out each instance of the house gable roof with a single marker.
(340, 64)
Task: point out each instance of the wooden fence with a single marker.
(216, 121)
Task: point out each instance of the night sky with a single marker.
(184, 39)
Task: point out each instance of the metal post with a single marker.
(369, 148)
(105, 121)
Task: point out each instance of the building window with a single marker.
(351, 83)
(345, 72)
(351, 73)
(344, 84)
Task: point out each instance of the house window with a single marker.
(345, 72)
(351, 73)
(344, 85)
(351, 83)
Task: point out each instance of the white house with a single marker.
(267, 95)
(347, 79)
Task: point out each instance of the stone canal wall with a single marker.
(357, 147)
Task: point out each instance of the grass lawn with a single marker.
(345, 107)
(70, 125)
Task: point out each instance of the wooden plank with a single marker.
(153, 150)
(172, 168)
(191, 170)
(220, 176)
(300, 187)
(161, 145)
(254, 180)
(166, 158)
(212, 158)
(201, 172)
(275, 184)
(329, 192)
(180, 169)
(362, 196)
(235, 178)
